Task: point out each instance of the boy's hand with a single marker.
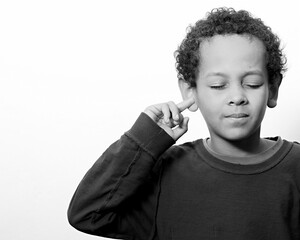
(168, 116)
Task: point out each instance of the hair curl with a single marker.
(224, 21)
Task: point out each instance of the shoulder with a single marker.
(295, 148)
(185, 149)
(291, 155)
(297, 144)
(295, 153)
(293, 158)
(183, 155)
(183, 161)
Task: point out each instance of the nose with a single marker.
(237, 97)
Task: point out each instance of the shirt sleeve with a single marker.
(117, 197)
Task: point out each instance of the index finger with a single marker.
(185, 104)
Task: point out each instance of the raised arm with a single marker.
(117, 197)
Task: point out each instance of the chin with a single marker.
(233, 134)
(239, 135)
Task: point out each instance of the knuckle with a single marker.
(171, 103)
(166, 105)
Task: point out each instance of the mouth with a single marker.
(237, 115)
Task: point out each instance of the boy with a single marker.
(233, 185)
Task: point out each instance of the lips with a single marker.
(237, 115)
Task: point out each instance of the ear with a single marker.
(187, 92)
(273, 91)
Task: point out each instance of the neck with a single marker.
(249, 146)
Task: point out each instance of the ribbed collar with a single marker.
(273, 159)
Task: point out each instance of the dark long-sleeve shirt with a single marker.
(141, 188)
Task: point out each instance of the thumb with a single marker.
(181, 129)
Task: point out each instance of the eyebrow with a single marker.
(253, 72)
(247, 73)
(213, 74)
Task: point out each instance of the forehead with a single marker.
(232, 51)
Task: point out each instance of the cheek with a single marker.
(207, 108)
(261, 100)
(205, 102)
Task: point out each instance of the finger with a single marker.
(185, 104)
(174, 111)
(166, 113)
(178, 121)
(181, 129)
(154, 111)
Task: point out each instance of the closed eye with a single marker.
(254, 86)
(217, 87)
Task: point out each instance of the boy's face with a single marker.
(232, 87)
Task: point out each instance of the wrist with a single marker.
(150, 136)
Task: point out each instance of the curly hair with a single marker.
(226, 21)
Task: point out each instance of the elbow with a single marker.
(77, 220)
(73, 219)
(96, 224)
(79, 216)
(86, 222)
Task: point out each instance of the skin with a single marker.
(232, 92)
(169, 116)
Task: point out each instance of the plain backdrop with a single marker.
(74, 76)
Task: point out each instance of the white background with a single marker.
(74, 75)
